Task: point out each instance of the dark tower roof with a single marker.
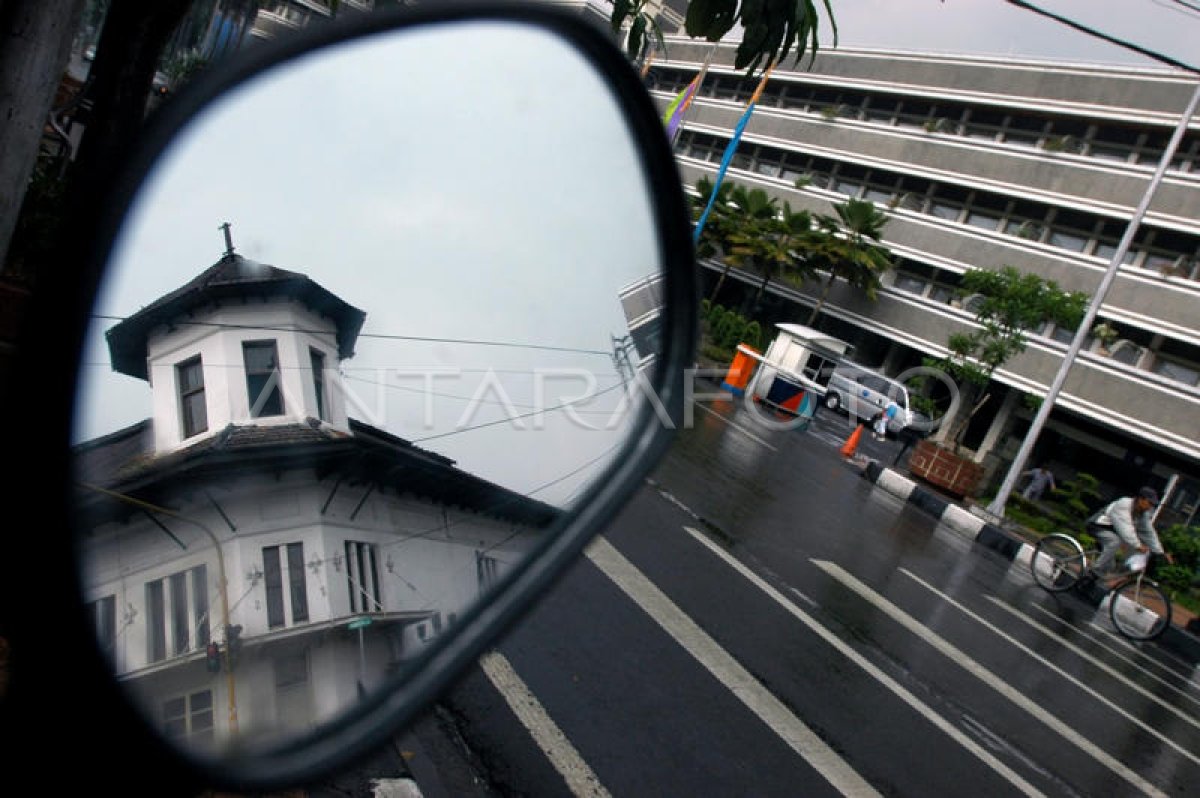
(232, 277)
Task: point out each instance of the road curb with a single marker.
(998, 539)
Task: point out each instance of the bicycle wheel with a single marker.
(1057, 563)
(1140, 609)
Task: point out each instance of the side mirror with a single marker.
(364, 356)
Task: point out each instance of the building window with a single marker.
(189, 717)
(906, 282)
(180, 624)
(318, 369)
(192, 406)
(362, 577)
(103, 614)
(487, 570)
(156, 634)
(263, 380)
(273, 580)
(175, 615)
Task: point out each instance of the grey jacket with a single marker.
(1118, 516)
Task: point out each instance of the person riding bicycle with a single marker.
(1126, 521)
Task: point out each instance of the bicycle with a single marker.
(1138, 607)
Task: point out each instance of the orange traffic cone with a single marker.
(851, 443)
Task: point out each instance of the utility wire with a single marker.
(381, 336)
(1187, 5)
(432, 604)
(1079, 26)
(423, 392)
(1179, 7)
(609, 389)
(526, 495)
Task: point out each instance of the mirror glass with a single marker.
(375, 319)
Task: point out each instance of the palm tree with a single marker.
(771, 247)
(848, 247)
(740, 218)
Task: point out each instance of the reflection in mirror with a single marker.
(363, 337)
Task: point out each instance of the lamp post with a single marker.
(996, 507)
(223, 583)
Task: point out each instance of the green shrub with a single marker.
(753, 335)
(1184, 545)
(1175, 578)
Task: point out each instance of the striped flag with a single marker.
(729, 150)
(673, 116)
(674, 112)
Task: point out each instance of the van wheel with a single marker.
(832, 401)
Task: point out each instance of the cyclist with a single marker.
(1127, 521)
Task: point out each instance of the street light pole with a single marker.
(996, 507)
(224, 584)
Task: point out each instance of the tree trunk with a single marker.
(761, 288)
(821, 302)
(717, 288)
(35, 47)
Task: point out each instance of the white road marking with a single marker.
(987, 677)
(1135, 663)
(1104, 666)
(1128, 645)
(873, 670)
(1048, 664)
(545, 732)
(727, 670)
(736, 426)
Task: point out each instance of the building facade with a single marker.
(983, 163)
(254, 558)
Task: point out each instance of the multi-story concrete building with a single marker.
(252, 503)
(981, 163)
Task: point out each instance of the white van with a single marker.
(862, 393)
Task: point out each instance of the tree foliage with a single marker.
(1011, 303)
(848, 246)
(770, 28)
(1184, 544)
(750, 229)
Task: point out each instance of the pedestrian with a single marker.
(879, 425)
(879, 421)
(1128, 521)
(1040, 478)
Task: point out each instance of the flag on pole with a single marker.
(673, 117)
(674, 113)
(729, 150)
(646, 64)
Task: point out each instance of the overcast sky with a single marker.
(995, 27)
(506, 206)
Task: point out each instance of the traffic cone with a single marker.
(851, 443)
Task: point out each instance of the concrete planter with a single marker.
(953, 473)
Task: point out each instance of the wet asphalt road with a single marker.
(808, 634)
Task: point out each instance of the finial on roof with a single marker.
(228, 239)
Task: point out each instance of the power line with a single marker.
(1079, 26)
(466, 398)
(609, 389)
(381, 336)
(1179, 7)
(505, 503)
(1187, 5)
